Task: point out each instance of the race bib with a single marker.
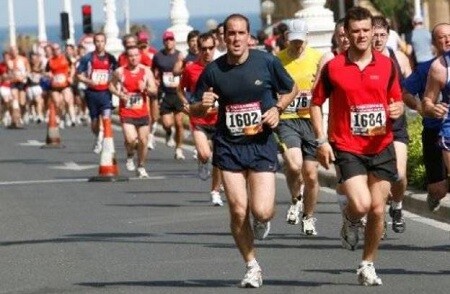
(135, 101)
(300, 104)
(100, 76)
(368, 120)
(244, 119)
(59, 80)
(170, 81)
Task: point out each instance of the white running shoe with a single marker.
(97, 147)
(142, 173)
(170, 139)
(151, 142)
(350, 234)
(130, 164)
(61, 125)
(293, 213)
(195, 155)
(367, 275)
(216, 199)
(252, 278)
(308, 226)
(261, 230)
(203, 170)
(179, 154)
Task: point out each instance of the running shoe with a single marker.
(216, 199)
(203, 170)
(97, 147)
(252, 278)
(293, 213)
(151, 142)
(179, 154)
(350, 234)
(433, 203)
(308, 226)
(170, 140)
(261, 230)
(367, 275)
(398, 222)
(130, 164)
(141, 173)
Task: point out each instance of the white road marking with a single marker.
(32, 143)
(71, 165)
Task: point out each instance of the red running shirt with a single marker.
(145, 59)
(136, 105)
(59, 66)
(189, 79)
(358, 118)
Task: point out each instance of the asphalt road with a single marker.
(62, 234)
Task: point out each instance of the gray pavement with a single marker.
(63, 234)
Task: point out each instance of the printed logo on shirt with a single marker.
(374, 77)
(258, 83)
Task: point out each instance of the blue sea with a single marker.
(157, 26)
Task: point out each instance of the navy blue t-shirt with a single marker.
(415, 84)
(165, 63)
(245, 92)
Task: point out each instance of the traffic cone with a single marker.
(53, 140)
(108, 170)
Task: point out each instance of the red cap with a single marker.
(142, 36)
(168, 35)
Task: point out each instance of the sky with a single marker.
(25, 11)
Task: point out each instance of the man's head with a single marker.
(380, 32)
(129, 41)
(220, 33)
(142, 39)
(133, 55)
(297, 32)
(192, 38)
(417, 20)
(237, 34)
(441, 37)
(56, 49)
(100, 42)
(168, 40)
(359, 29)
(206, 46)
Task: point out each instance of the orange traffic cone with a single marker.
(108, 170)
(53, 139)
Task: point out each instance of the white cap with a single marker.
(297, 29)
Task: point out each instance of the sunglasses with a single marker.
(204, 49)
(169, 39)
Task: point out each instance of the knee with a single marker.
(238, 217)
(361, 207)
(263, 215)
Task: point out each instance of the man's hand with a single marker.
(325, 155)
(208, 98)
(395, 109)
(271, 117)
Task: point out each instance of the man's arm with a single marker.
(272, 116)
(435, 82)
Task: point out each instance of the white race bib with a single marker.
(170, 81)
(135, 101)
(368, 120)
(100, 76)
(300, 104)
(244, 119)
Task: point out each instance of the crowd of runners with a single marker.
(249, 102)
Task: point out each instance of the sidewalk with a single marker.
(415, 200)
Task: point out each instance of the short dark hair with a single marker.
(381, 22)
(192, 34)
(356, 13)
(126, 37)
(236, 16)
(203, 37)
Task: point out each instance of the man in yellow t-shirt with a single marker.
(295, 130)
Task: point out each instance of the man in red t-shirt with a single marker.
(133, 84)
(202, 127)
(364, 93)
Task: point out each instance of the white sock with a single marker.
(396, 205)
(366, 263)
(252, 263)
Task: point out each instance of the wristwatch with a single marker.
(321, 141)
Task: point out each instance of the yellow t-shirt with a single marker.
(303, 71)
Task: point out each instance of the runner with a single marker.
(438, 82)
(436, 173)
(401, 138)
(61, 72)
(295, 129)
(5, 90)
(245, 83)
(192, 53)
(202, 128)
(364, 91)
(171, 107)
(94, 71)
(34, 89)
(132, 84)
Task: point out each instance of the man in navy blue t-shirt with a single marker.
(245, 83)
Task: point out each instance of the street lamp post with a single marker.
(267, 10)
